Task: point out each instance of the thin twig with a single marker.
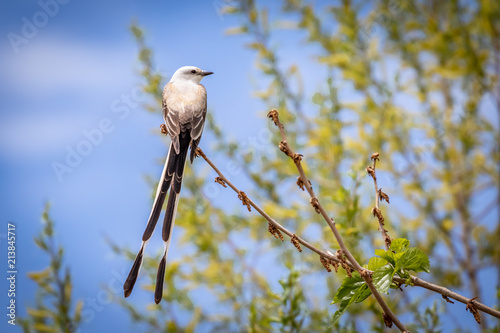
(285, 147)
(378, 195)
(287, 232)
(448, 293)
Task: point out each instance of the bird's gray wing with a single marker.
(171, 115)
(198, 123)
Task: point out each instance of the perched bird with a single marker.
(184, 110)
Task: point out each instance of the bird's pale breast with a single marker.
(188, 99)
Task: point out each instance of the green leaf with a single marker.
(352, 296)
(413, 260)
(364, 295)
(387, 255)
(348, 287)
(400, 245)
(376, 262)
(382, 278)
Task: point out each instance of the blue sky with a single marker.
(78, 73)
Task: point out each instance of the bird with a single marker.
(184, 104)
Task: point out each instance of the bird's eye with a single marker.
(193, 72)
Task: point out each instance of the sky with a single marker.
(72, 131)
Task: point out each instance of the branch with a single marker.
(221, 179)
(285, 147)
(335, 260)
(445, 292)
(379, 195)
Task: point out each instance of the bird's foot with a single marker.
(163, 129)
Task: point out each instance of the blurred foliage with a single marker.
(54, 310)
(415, 81)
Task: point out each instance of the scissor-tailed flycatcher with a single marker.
(184, 109)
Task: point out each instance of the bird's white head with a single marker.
(189, 74)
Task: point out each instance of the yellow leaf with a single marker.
(339, 59)
(229, 10)
(43, 328)
(449, 72)
(148, 287)
(448, 224)
(253, 15)
(39, 275)
(78, 310)
(152, 307)
(38, 313)
(350, 231)
(236, 30)
(373, 48)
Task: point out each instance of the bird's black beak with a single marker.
(203, 73)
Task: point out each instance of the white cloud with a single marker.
(34, 137)
(46, 65)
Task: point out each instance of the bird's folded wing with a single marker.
(171, 114)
